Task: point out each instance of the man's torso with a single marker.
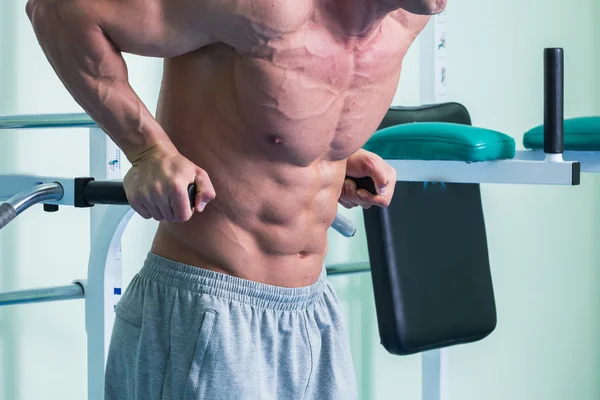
(272, 116)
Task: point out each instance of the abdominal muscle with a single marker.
(276, 189)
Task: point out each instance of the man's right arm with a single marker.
(83, 41)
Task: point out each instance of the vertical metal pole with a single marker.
(554, 101)
(434, 74)
(105, 267)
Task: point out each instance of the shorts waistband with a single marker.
(203, 281)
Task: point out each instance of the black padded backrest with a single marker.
(444, 112)
(429, 257)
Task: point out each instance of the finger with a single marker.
(205, 192)
(380, 172)
(164, 205)
(153, 209)
(159, 197)
(368, 199)
(140, 209)
(135, 202)
(180, 203)
(379, 200)
(350, 191)
(343, 199)
(348, 204)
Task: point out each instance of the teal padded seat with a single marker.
(581, 134)
(441, 141)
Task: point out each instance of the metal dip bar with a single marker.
(42, 295)
(47, 121)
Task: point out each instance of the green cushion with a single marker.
(581, 134)
(441, 141)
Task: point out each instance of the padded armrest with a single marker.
(581, 134)
(441, 141)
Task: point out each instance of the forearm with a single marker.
(94, 72)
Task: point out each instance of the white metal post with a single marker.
(105, 266)
(433, 65)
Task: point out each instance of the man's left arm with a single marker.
(363, 164)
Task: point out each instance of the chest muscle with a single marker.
(309, 96)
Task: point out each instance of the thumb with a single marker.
(376, 171)
(205, 192)
(381, 184)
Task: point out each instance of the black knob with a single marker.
(51, 207)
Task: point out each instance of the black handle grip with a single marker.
(192, 194)
(113, 192)
(364, 183)
(554, 92)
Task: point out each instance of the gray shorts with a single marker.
(186, 333)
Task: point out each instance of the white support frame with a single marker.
(105, 271)
(529, 172)
(433, 47)
(590, 160)
(104, 277)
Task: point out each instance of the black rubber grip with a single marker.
(364, 183)
(554, 93)
(113, 192)
(7, 214)
(192, 194)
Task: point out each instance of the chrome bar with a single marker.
(46, 121)
(7, 214)
(40, 193)
(26, 198)
(42, 295)
(348, 268)
(344, 226)
(13, 184)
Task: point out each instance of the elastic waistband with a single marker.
(202, 281)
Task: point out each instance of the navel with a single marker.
(303, 254)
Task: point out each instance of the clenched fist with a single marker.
(366, 164)
(157, 185)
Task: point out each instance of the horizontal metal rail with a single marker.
(348, 268)
(589, 160)
(46, 121)
(42, 295)
(529, 172)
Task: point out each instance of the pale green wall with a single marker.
(545, 272)
(546, 275)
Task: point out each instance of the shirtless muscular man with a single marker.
(265, 105)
